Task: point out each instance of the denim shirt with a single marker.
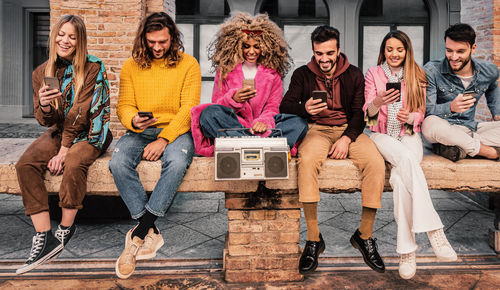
(444, 86)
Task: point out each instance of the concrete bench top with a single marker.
(336, 176)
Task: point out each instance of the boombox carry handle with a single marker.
(243, 129)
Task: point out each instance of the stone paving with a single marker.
(196, 223)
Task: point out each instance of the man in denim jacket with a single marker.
(455, 85)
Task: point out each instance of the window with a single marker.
(378, 17)
(298, 19)
(198, 22)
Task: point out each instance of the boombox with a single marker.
(251, 157)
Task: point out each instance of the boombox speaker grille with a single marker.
(276, 164)
(228, 165)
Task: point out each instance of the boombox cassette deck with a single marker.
(251, 158)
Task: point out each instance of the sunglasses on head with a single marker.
(254, 32)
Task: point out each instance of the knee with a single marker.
(428, 130)
(118, 163)
(211, 112)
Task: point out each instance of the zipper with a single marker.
(78, 116)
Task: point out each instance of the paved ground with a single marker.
(195, 225)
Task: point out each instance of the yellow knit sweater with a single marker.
(169, 93)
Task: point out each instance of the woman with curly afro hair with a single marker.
(251, 58)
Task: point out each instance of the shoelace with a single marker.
(148, 240)
(438, 238)
(61, 234)
(371, 246)
(36, 245)
(408, 258)
(131, 253)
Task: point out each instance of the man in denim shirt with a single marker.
(455, 85)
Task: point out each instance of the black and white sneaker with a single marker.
(64, 234)
(44, 248)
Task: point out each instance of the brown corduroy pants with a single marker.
(314, 150)
(32, 165)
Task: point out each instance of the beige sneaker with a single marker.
(125, 265)
(152, 242)
(407, 265)
(441, 246)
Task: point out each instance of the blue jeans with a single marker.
(216, 117)
(174, 162)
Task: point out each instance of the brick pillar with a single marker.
(262, 244)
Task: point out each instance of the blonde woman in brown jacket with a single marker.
(77, 111)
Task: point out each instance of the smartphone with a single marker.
(249, 83)
(395, 86)
(319, 95)
(52, 82)
(469, 94)
(143, 114)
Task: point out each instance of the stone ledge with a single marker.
(336, 176)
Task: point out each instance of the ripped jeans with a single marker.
(174, 162)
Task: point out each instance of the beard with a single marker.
(332, 65)
(464, 63)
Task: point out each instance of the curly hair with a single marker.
(155, 22)
(226, 51)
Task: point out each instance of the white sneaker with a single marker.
(152, 242)
(407, 265)
(441, 246)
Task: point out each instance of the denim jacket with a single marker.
(444, 86)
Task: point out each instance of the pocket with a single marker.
(446, 94)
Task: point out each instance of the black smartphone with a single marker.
(143, 114)
(319, 95)
(52, 82)
(469, 94)
(395, 86)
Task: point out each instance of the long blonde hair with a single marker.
(80, 57)
(414, 76)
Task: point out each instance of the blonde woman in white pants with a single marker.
(394, 109)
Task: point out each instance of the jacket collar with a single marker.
(445, 67)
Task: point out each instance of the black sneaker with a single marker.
(65, 234)
(44, 248)
(309, 259)
(453, 153)
(368, 249)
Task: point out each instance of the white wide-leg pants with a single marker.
(413, 208)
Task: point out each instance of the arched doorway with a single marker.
(377, 17)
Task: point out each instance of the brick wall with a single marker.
(111, 28)
(479, 14)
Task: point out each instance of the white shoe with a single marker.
(441, 246)
(407, 265)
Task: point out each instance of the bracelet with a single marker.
(40, 104)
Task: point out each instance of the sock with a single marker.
(367, 220)
(146, 222)
(311, 215)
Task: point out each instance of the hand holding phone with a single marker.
(319, 95)
(143, 114)
(249, 83)
(47, 96)
(463, 102)
(395, 86)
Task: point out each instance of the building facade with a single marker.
(112, 25)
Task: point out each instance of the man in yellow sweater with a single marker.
(159, 85)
